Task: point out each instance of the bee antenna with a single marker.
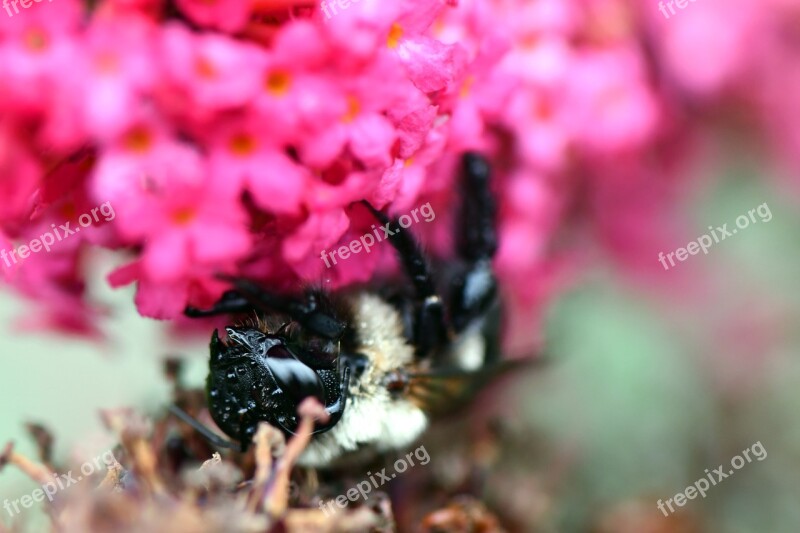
(210, 436)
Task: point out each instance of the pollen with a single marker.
(242, 144)
(183, 216)
(408, 162)
(353, 109)
(395, 33)
(138, 140)
(278, 82)
(36, 40)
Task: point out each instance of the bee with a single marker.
(383, 361)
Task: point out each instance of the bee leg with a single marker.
(312, 311)
(248, 431)
(430, 327)
(336, 410)
(474, 291)
(213, 438)
(231, 302)
(356, 362)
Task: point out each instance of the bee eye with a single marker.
(396, 383)
(293, 376)
(314, 350)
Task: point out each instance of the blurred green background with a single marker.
(62, 382)
(645, 388)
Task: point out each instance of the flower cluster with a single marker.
(238, 137)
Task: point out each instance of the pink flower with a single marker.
(339, 186)
(358, 32)
(539, 121)
(36, 49)
(706, 66)
(608, 91)
(480, 98)
(332, 269)
(54, 278)
(245, 146)
(49, 19)
(167, 300)
(298, 97)
(403, 182)
(212, 72)
(244, 156)
(7, 265)
(20, 175)
(140, 150)
(226, 15)
(361, 102)
(184, 220)
(117, 70)
(531, 214)
(303, 247)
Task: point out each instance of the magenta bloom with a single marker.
(186, 220)
(240, 137)
(225, 15)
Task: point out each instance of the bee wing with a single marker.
(440, 392)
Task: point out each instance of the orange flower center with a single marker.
(395, 33)
(466, 87)
(204, 68)
(36, 40)
(183, 216)
(278, 82)
(138, 140)
(353, 109)
(242, 144)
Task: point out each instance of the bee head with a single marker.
(257, 376)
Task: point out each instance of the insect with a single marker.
(383, 361)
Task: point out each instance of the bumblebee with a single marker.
(382, 361)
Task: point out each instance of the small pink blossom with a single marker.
(186, 222)
(20, 177)
(362, 125)
(213, 72)
(117, 70)
(225, 15)
(608, 90)
(229, 143)
(244, 156)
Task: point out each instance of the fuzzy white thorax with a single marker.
(373, 420)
